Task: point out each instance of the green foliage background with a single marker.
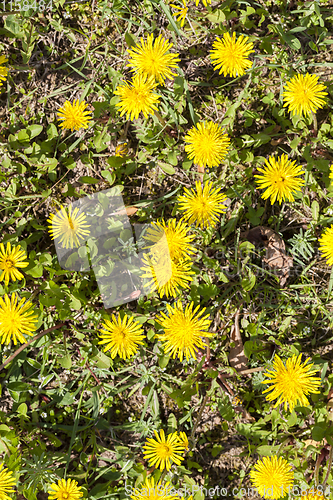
(67, 409)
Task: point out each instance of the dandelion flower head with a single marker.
(16, 319)
(207, 144)
(165, 275)
(65, 490)
(304, 94)
(184, 330)
(272, 476)
(177, 239)
(280, 179)
(162, 451)
(203, 205)
(74, 116)
(68, 228)
(3, 69)
(291, 382)
(231, 56)
(122, 336)
(326, 245)
(181, 15)
(137, 96)
(152, 58)
(6, 483)
(11, 258)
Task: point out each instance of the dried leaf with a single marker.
(276, 257)
(237, 358)
(128, 211)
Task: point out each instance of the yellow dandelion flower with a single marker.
(137, 96)
(151, 491)
(205, 2)
(331, 173)
(280, 177)
(184, 330)
(70, 228)
(273, 477)
(181, 15)
(65, 490)
(208, 144)
(74, 115)
(312, 494)
(3, 70)
(122, 336)
(183, 440)
(291, 382)
(152, 60)
(6, 482)
(16, 319)
(202, 206)
(326, 245)
(177, 239)
(166, 276)
(121, 149)
(231, 56)
(162, 450)
(10, 260)
(304, 94)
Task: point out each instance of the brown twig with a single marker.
(36, 337)
(330, 459)
(245, 372)
(92, 373)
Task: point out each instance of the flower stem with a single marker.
(164, 473)
(315, 123)
(160, 119)
(124, 134)
(316, 471)
(202, 407)
(330, 458)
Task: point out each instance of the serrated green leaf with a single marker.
(86, 179)
(168, 169)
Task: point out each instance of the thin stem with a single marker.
(315, 123)
(330, 458)
(124, 134)
(316, 471)
(36, 337)
(164, 473)
(203, 404)
(160, 119)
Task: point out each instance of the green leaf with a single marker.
(34, 130)
(168, 169)
(23, 136)
(315, 210)
(86, 179)
(18, 386)
(66, 362)
(75, 303)
(102, 361)
(36, 271)
(319, 431)
(172, 423)
(129, 40)
(249, 282)
(216, 450)
(115, 161)
(267, 450)
(163, 361)
(109, 176)
(22, 409)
